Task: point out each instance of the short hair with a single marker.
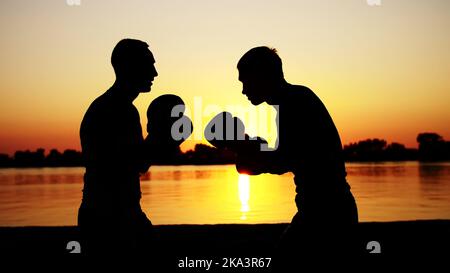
(127, 51)
(263, 60)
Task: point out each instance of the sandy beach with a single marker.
(403, 237)
(231, 248)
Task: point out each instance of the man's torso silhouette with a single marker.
(110, 215)
(111, 140)
(310, 145)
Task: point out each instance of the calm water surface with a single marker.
(218, 194)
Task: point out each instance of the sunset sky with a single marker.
(382, 71)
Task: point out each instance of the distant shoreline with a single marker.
(212, 164)
(432, 148)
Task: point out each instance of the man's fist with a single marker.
(167, 124)
(225, 131)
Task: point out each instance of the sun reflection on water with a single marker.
(244, 194)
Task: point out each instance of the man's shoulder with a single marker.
(102, 104)
(304, 94)
(300, 90)
(101, 101)
(296, 95)
(99, 110)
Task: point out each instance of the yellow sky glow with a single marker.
(381, 71)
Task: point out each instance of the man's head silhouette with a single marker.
(133, 64)
(261, 74)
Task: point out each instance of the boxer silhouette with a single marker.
(309, 146)
(110, 216)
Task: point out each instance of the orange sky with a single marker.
(381, 71)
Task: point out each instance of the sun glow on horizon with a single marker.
(382, 72)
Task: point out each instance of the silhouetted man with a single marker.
(110, 216)
(308, 146)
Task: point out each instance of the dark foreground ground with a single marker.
(182, 245)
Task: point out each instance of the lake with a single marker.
(387, 191)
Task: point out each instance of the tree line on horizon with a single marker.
(432, 147)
